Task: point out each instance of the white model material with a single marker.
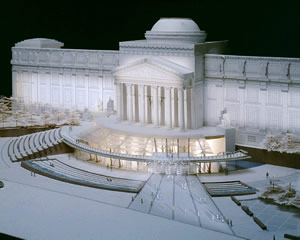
(172, 78)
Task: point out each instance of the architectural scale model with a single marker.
(173, 78)
(156, 127)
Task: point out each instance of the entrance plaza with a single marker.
(157, 150)
(167, 206)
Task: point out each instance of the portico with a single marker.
(154, 91)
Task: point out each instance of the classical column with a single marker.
(162, 106)
(142, 104)
(118, 96)
(174, 107)
(137, 103)
(185, 107)
(188, 109)
(193, 109)
(146, 103)
(159, 105)
(168, 107)
(181, 108)
(123, 102)
(134, 103)
(129, 103)
(155, 114)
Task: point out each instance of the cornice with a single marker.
(255, 58)
(158, 45)
(65, 58)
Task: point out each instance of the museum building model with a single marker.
(173, 80)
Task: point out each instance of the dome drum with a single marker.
(178, 30)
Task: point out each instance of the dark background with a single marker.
(255, 28)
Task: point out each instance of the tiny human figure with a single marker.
(267, 174)
(142, 201)
(132, 198)
(231, 223)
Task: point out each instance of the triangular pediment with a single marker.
(151, 68)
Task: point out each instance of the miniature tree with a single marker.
(288, 143)
(271, 142)
(16, 116)
(74, 118)
(46, 117)
(59, 115)
(3, 110)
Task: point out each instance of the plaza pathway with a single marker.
(180, 198)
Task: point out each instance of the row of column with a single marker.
(152, 105)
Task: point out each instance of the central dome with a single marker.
(175, 25)
(175, 30)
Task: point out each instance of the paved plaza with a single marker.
(180, 198)
(177, 202)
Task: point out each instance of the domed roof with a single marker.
(175, 25)
(175, 30)
(39, 43)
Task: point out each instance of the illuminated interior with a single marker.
(122, 142)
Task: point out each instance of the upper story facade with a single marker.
(261, 94)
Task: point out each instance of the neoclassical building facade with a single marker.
(172, 79)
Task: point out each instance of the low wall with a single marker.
(274, 158)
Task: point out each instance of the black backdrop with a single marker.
(255, 28)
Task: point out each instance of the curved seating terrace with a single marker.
(33, 145)
(58, 170)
